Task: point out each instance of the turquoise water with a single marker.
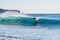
(48, 27)
(24, 21)
(18, 21)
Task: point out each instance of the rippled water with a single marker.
(30, 33)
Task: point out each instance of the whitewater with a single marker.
(45, 30)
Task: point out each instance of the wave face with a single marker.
(18, 21)
(48, 21)
(27, 19)
(15, 18)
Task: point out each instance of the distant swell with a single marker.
(48, 21)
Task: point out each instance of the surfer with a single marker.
(35, 21)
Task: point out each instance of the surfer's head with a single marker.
(34, 18)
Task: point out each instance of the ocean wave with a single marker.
(18, 21)
(48, 21)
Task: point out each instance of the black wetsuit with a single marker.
(35, 21)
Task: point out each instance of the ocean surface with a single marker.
(48, 29)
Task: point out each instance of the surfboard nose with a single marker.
(37, 18)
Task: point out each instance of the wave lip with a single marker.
(12, 14)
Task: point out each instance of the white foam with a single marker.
(37, 18)
(13, 14)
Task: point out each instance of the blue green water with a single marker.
(18, 21)
(48, 29)
(43, 19)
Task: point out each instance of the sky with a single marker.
(32, 6)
